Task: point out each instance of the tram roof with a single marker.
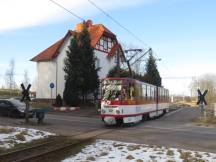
(132, 79)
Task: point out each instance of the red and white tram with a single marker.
(126, 100)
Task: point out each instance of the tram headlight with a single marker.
(103, 111)
(117, 112)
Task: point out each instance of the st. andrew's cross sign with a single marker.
(25, 93)
(201, 97)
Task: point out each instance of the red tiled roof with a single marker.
(95, 31)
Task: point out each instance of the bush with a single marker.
(59, 101)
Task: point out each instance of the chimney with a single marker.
(80, 26)
(89, 23)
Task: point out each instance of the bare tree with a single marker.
(10, 75)
(205, 82)
(26, 79)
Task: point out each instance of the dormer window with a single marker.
(105, 44)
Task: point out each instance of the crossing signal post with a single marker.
(201, 101)
(26, 98)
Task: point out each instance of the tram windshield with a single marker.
(111, 89)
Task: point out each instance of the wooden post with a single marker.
(27, 112)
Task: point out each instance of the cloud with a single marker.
(25, 13)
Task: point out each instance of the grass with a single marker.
(139, 160)
(133, 147)
(198, 155)
(170, 152)
(186, 156)
(90, 158)
(129, 157)
(20, 136)
(6, 130)
(209, 121)
(40, 104)
(25, 145)
(170, 161)
(118, 145)
(9, 92)
(103, 153)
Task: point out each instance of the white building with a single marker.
(50, 62)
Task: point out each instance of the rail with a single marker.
(39, 152)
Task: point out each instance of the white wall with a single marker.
(60, 61)
(46, 75)
(47, 71)
(105, 63)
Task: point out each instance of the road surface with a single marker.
(172, 130)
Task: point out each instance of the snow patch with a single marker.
(115, 151)
(10, 136)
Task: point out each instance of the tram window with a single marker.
(111, 90)
(155, 93)
(148, 92)
(159, 94)
(150, 97)
(144, 94)
(125, 94)
(131, 91)
(138, 91)
(166, 95)
(151, 93)
(162, 95)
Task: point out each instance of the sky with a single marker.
(181, 33)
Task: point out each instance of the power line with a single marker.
(67, 10)
(175, 77)
(117, 22)
(123, 27)
(106, 14)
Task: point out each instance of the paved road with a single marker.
(174, 130)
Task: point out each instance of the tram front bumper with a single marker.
(109, 120)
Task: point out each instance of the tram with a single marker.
(126, 100)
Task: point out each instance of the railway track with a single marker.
(48, 150)
(56, 146)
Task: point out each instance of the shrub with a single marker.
(59, 101)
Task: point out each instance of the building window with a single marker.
(116, 57)
(105, 44)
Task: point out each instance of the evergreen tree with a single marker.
(116, 72)
(90, 82)
(72, 74)
(81, 74)
(152, 75)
